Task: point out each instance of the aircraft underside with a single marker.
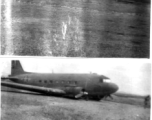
(56, 92)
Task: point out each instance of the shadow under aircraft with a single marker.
(90, 86)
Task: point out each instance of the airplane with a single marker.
(70, 85)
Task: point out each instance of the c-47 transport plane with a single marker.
(71, 85)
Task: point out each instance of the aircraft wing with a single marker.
(33, 88)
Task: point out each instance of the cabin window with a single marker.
(51, 81)
(40, 80)
(45, 81)
(75, 82)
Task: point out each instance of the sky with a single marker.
(132, 76)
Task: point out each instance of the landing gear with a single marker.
(106, 96)
(97, 97)
(82, 94)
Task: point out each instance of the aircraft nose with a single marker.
(113, 87)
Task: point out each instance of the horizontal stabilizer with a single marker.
(32, 88)
(9, 78)
(5, 77)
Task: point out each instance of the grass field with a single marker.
(22, 106)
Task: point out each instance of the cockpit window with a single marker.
(106, 80)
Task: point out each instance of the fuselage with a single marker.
(92, 83)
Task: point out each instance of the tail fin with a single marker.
(16, 68)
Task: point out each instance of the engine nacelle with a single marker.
(73, 90)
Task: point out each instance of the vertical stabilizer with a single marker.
(16, 68)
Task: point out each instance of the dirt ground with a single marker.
(19, 106)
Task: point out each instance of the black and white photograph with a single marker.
(76, 28)
(75, 89)
(75, 60)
